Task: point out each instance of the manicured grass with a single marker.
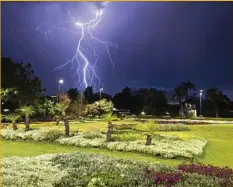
(219, 150)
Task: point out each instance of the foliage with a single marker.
(92, 135)
(100, 107)
(12, 117)
(167, 147)
(172, 127)
(124, 137)
(73, 94)
(30, 171)
(226, 174)
(48, 134)
(61, 108)
(47, 108)
(91, 170)
(21, 77)
(27, 111)
(217, 99)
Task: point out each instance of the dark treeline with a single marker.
(20, 86)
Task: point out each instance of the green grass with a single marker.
(219, 150)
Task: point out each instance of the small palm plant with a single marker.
(150, 129)
(61, 108)
(13, 118)
(27, 111)
(109, 118)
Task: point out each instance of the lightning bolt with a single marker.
(85, 69)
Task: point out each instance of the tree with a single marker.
(150, 127)
(100, 107)
(61, 108)
(88, 94)
(187, 86)
(73, 93)
(27, 111)
(109, 118)
(13, 118)
(21, 77)
(182, 91)
(217, 99)
(46, 108)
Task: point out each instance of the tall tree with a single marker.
(61, 108)
(21, 77)
(88, 94)
(217, 98)
(73, 94)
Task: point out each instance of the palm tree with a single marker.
(12, 118)
(187, 86)
(109, 118)
(61, 108)
(179, 93)
(182, 91)
(150, 129)
(27, 111)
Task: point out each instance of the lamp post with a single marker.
(200, 92)
(59, 88)
(101, 89)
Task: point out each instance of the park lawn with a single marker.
(219, 150)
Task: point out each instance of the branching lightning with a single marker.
(85, 68)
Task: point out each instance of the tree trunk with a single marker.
(15, 126)
(148, 139)
(57, 121)
(67, 127)
(109, 132)
(27, 125)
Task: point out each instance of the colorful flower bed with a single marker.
(91, 170)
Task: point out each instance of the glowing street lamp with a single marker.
(59, 87)
(101, 89)
(200, 92)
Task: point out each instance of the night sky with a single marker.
(160, 44)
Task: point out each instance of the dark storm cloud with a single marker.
(160, 44)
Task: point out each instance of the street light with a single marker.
(59, 88)
(200, 92)
(101, 89)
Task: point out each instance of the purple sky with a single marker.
(160, 44)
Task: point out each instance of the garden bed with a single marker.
(90, 170)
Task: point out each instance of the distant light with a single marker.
(101, 89)
(6, 110)
(201, 92)
(61, 81)
(143, 113)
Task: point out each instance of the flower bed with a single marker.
(163, 146)
(48, 134)
(91, 170)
